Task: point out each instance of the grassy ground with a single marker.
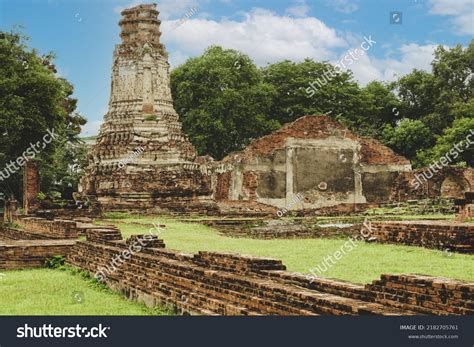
(61, 292)
(361, 265)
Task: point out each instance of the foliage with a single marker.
(407, 137)
(299, 94)
(55, 262)
(33, 100)
(455, 139)
(223, 101)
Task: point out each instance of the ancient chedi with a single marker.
(141, 158)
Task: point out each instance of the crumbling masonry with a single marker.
(142, 158)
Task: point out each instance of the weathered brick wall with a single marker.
(31, 253)
(222, 186)
(221, 283)
(428, 184)
(8, 233)
(52, 229)
(457, 237)
(425, 294)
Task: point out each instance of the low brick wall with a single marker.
(456, 237)
(425, 294)
(22, 254)
(212, 283)
(8, 233)
(51, 229)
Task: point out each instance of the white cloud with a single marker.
(344, 6)
(461, 10)
(300, 9)
(263, 35)
(412, 56)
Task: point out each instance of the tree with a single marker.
(382, 108)
(407, 137)
(436, 97)
(459, 138)
(311, 87)
(222, 101)
(33, 101)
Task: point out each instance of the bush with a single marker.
(55, 262)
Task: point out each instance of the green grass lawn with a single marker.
(60, 292)
(364, 263)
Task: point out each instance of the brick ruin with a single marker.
(211, 283)
(142, 159)
(465, 207)
(31, 186)
(447, 236)
(311, 163)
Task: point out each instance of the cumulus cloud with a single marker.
(411, 56)
(462, 12)
(344, 6)
(300, 9)
(263, 35)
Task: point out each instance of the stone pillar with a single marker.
(11, 210)
(31, 186)
(290, 158)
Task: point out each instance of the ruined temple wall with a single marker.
(448, 182)
(309, 164)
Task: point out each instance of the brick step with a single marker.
(325, 285)
(233, 296)
(250, 286)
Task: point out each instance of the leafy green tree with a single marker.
(33, 100)
(436, 98)
(311, 87)
(222, 101)
(382, 108)
(457, 141)
(407, 137)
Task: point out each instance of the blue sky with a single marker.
(83, 33)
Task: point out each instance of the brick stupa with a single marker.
(141, 158)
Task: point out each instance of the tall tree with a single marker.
(311, 87)
(33, 102)
(222, 101)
